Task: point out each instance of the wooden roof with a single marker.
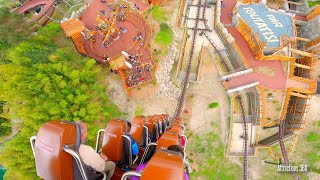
(72, 27)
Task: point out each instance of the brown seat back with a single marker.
(165, 120)
(150, 121)
(167, 139)
(51, 160)
(137, 128)
(112, 145)
(159, 121)
(166, 165)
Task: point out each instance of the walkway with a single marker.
(278, 83)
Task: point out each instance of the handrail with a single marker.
(98, 139)
(130, 173)
(32, 143)
(130, 150)
(76, 156)
(147, 134)
(146, 151)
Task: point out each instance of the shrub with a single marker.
(159, 14)
(213, 105)
(139, 111)
(165, 35)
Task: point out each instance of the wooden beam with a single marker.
(302, 66)
(302, 53)
(298, 95)
(302, 39)
(294, 3)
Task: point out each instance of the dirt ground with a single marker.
(207, 90)
(144, 96)
(273, 104)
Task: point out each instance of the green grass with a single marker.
(139, 111)
(311, 3)
(210, 158)
(165, 35)
(159, 14)
(313, 136)
(213, 105)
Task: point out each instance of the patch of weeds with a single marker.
(165, 35)
(213, 105)
(139, 111)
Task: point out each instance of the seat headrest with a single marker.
(112, 144)
(137, 128)
(167, 139)
(165, 116)
(176, 128)
(157, 118)
(52, 162)
(166, 165)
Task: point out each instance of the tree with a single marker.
(43, 79)
(13, 29)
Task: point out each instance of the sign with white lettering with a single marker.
(269, 25)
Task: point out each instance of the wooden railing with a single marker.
(78, 43)
(313, 43)
(314, 13)
(180, 13)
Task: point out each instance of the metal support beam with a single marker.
(237, 89)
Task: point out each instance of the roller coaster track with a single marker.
(204, 16)
(245, 139)
(186, 79)
(217, 50)
(283, 149)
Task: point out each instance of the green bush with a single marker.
(5, 126)
(213, 105)
(313, 3)
(312, 137)
(139, 111)
(165, 35)
(159, 14)
(45, 79)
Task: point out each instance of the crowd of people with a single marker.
(138, 76)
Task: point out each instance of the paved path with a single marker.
(278, 83)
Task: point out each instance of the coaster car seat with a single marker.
(116, 145)
(152, 125)
(164, 164)
(55, 149)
